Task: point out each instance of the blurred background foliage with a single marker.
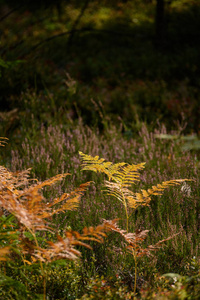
(138, 58)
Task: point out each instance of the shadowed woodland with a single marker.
(100, 149)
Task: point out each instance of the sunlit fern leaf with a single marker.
(145, 196)
(118, 191)
(128, 174)
(3, 141)
(97, 164)
(120, 172)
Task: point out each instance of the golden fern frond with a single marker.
(3, 141)
(95, 164)
(145, 196)
(117, 190)
(128, 174)
(122, 173)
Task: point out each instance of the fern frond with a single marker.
(134, 240)
(47, 182)
(122, 173)
(71, 200)
(117, 190)
(148, 250)
(95, 164)
(128, 174)
(64, 247)
(3, 141)
(26, 202)
(144, 197)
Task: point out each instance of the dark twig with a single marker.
(74, 26)
(79, 30)
(10, 12)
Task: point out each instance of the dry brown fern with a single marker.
(23, 198)
(134, 240)
(64, 247)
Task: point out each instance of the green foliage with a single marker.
(174, 286)
(107, 288)
(8, 64)
(13, 289)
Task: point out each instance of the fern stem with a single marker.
(126, 210)
(135, 260)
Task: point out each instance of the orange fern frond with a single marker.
(134, 240)
(47, 182)
(26, 202)
(4, 252)
(148, 251)
(64, 247)
(71, 199)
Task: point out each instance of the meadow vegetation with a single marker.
(87, 89)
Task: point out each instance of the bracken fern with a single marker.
(120, 178)
(21, 198)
